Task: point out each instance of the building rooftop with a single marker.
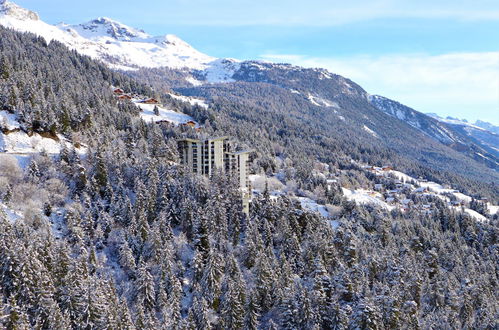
(202, 140)
(188, 140)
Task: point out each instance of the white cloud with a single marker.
(457, 84)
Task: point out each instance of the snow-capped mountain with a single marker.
(12, 10)
(104, 28)
(488, 126)
(477, 142)
(120, 46)
(479, 124)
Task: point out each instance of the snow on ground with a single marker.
(493, 209)
(363, 197)
(22, 143)
(193, 81)
(59, 228)
(11, 215)
(8, 120)
(312, 206)
(435, 187)
(370, 131)
(174, 117)
(321, 102)
(439, 190)
(462, 197)
(19, 142)
(334, 224)
(190, 100)
(221, 70)
(454, 121)
(402, 176)
(472, 213)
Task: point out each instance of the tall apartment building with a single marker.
(206, 156)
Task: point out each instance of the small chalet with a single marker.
(119, 91)
(190, 123)
(387, 168)
(422, 190)
(149, 101)
(124, 97)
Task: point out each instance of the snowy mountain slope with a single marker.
(488, 126)
(135, 48)
(480, 125)
(474, 141)
(120, 46)
(104, 27)
(148, 115)
(486, 133)
(414, 118)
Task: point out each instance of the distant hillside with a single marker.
(477, 143)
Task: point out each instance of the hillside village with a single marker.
(153, 111)
(389, 190)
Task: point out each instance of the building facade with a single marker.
(206, 156)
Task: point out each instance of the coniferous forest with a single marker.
(124, 237)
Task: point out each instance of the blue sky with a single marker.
(435, 56)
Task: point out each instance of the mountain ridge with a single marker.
(476, 142)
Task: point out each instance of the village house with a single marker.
(457, 203)
(190, 123)
(149, 101)
(422, 190)
(119, 91)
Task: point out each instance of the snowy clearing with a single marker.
(370, 131)
(174, 117)
(363, 197)
(19, 142)
(312, 206)
(10, 214)
(190, 100)
(321, 102)
(8, 120)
